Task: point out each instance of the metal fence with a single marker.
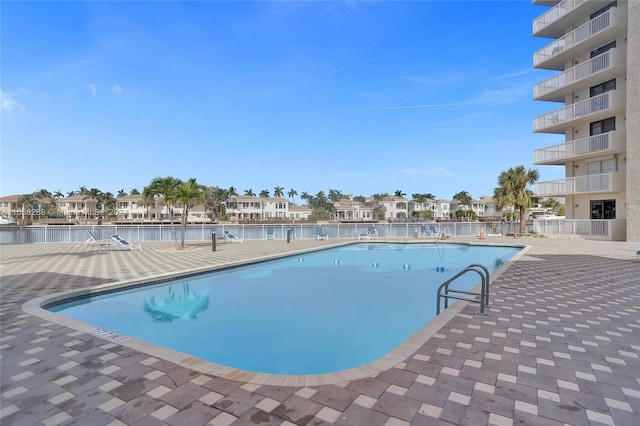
(78, 233)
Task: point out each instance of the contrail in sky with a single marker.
(318, 76)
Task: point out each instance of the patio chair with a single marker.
(372, 232)
(121, 242)
(92, 241)
(271, 234)
(319, 235)
(230, 236)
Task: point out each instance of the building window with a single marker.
(603, 209)
(603, 10)
(602, 126)
(603, 49)
(603, 88)
(602, 166)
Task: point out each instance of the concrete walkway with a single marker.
(560, 345)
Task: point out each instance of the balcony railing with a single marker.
(570, 150)
(580, 35)
(555, 13)
(606, 61)
(587, 228)
(557, 120)
(602, 182)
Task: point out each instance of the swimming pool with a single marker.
(314, 313)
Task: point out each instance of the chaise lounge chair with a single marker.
(92, 241)
(319, 235)
(121, 242)
(372, 232)
(229, 236)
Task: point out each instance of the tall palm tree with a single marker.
(249, 193)
(399, 193)
(512, 190)
(134, 191)
(188, 194)
(305, 196)
(278, 191)
(28, 203)
(109, 204)
(291, 194)
(58, 194)
(95, 195)
(232, 191)
(264, 193)
(464, 197)
(122, 193)
(165, 187)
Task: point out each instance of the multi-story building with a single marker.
(352, 210)
(595, 49)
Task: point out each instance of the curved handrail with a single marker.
(484, 289)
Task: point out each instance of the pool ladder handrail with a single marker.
(484, 289)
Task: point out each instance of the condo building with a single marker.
(594, 103)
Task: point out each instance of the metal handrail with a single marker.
(484, 289)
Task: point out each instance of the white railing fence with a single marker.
(78, 233)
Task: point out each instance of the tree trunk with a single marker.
(522, 224)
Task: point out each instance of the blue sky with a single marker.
(364, 97)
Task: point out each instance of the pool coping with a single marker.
(398, 355)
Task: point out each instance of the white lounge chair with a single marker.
(229, 236)
(121, 242)
(319, 235)
(372, 232)
(92, 241)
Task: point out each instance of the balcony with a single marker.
(600, 68)
(592, 109)
(553, 22)
(605, 27)
(590, 184)
(604, 144)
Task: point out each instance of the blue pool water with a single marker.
(309, 314)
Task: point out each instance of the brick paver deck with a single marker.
(560, 345)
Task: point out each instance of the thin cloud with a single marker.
(117, 90)
(431, 171)
(9, 104)
(92, 88)
(520, 73)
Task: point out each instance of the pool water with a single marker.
(315, 313)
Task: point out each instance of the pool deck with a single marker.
(560, 345)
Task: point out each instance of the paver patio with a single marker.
(560, 345)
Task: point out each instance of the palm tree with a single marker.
(512, 190)
(28, 203)
(165, 187)
(291, 194)
(122, 193)
(109, 204)
(278, 191)
(232, 191)
(399, 193)
(249, 193)
(264, 193)
(464, 197)
(134, 191)
(335, 195)
(305, 196)
(95, 195)
(58, 194)
(188, 194)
